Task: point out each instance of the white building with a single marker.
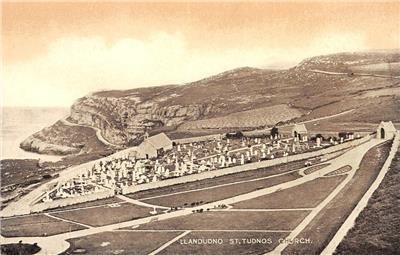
(299, 131)
(385, 130)
(154, 146)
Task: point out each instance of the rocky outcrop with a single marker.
(36, 145)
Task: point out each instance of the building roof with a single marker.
(299, 128)
(388, 126)
(159, 141)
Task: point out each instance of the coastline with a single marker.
(18, 123)
(35, 145)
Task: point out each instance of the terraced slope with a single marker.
(265, 116)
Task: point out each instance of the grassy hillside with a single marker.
(243, 98)
(265, 116)
(377, 229)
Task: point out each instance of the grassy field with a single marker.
(19, 175)
(306, 195)
(105, 215)
(229, 244)
(179, 134)
(100, 202)
(219, 193)
(119, 242)
(227, 220)
(381, 68)
(377, 228)
(16, 170)
(367, 111)
(35, 225)
(241, 176)
(250, 118)
(327, 222)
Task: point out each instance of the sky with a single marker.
(54, 53)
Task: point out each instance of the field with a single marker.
(104, 215)
(381, 92)
(230, 243)
(219, 193)
(306, 195)
(120, 242)
(232, 220)
(239, 227)
(96, 203)
(327, 222)
(251, 118)
(242, 176)
(15, 171)
(368, 112)
(179, 134)
(35, 225)
(380, 69)
(377, 229)
(18, 176)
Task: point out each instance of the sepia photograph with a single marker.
(200, 127)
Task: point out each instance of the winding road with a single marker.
(353, 74)
(98, 131)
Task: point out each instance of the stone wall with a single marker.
(71, 200)
(37, 207)
(198, 139)
(245, 167)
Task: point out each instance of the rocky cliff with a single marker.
(124, 116)
(123, 120)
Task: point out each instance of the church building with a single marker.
(154, 146)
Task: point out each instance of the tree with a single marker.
(274, 131)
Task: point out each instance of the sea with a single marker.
(20, 122)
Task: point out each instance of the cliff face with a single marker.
(123, 120)
(122, 116)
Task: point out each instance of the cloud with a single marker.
(75, 66)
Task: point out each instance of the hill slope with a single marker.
(318, 86)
